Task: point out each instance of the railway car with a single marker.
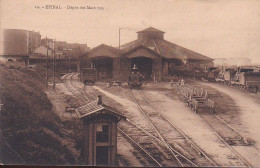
(88, 76)
(225, 76)
(135, 78)
(211, 73)
(246, 78)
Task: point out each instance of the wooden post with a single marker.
(54, 62)
(119, 73)
(47, 65)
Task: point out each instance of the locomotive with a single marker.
(210, 74)
(135, 78)
(243, 78)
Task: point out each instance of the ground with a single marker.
(236, 108)
(245, 118)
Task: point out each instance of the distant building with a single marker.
(41, 53)
(156, 57)
(77, 50)
(17, 44)
(34, 41)
(68, 50)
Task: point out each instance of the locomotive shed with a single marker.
(202, 140)
(156, 57)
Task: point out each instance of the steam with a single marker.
(235, 61)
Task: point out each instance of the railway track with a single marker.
(149, 145)
(67, 82)
(227, 132)
(233, 132)
(228, 141)
(228, 135)
(183, 142)
(156, 148)
(236, 132)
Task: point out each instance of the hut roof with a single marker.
(93, 108)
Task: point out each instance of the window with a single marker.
(102, 133)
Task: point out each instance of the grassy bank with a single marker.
(30, 132)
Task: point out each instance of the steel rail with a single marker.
(233, 129)
(140, 147)
(182, 133)
(240, 157)
(159, 140)
(246, 92)
(156, 130)
(81, 90)
(87, 98)
(72, 91)
(81, 98)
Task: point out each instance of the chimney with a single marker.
(99, 100)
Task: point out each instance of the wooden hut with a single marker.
(100, 126)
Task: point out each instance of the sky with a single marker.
(215, 28)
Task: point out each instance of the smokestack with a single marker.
(99, 100)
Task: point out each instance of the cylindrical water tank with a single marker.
(14, 42)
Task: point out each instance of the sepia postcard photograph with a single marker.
(130, 83)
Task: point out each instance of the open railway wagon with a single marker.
(247, 78)
(135, 78)
(88, 76)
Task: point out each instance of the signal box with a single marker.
(100, 129)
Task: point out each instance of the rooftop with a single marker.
(93, 108)
(103, 50)
(151, 29)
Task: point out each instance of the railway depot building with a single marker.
(156, 58)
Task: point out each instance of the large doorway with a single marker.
(145, 66)
(101, 155)
(104, 67)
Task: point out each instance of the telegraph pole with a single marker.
(69, 61)
(47, 65)
(54, 62)
(119, 73)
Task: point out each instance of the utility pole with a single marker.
(47, 64)
(119, 72)
(54, 62)
(70, 60)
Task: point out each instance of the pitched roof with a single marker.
(103, 50)
(151, 29)
(140, 50)
(93, 107)
(164, 48)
